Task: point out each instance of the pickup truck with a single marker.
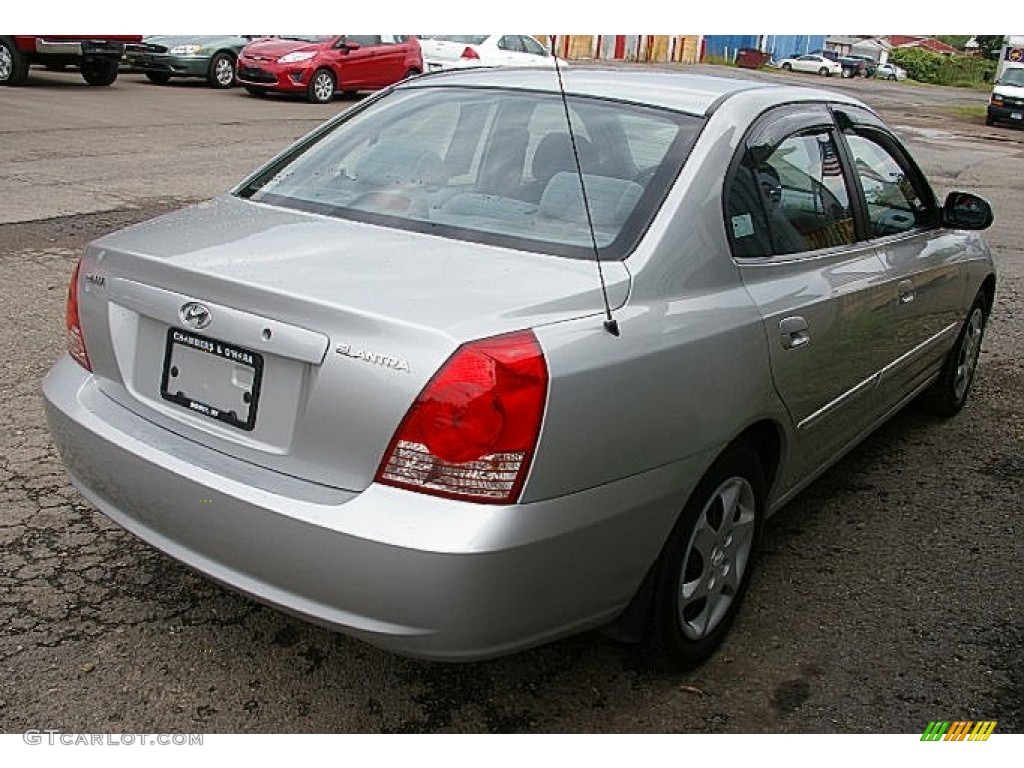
(853, 66)
(96, 56)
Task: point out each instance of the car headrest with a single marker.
(611, 200)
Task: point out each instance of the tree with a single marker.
(957, 41)
(990, 45)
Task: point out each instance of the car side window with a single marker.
(530, 45)
(510, 43)
(894, 203)
(790, 198)
(364, 41)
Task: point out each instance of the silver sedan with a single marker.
(470, 367)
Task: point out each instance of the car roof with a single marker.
(683, 92)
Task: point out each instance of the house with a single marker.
(920, 41)
(873, 47)
(776, 46)
(681, 49)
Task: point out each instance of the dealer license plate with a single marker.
(212, 378)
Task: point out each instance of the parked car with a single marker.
(210, 57)
(889, 71)
(812, 63)
(867, 64)
(456, 51)
(394, 383)
(852, 66)
(320, 65)
(97, 57)
(1006, 103)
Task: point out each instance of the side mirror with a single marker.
(962, 210)
(347, 46)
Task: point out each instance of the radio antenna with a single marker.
(610, 323)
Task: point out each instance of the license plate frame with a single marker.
(218, 371)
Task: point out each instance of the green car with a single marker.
(211, 57)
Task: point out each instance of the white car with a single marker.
(812, 63)
(458, 51)
(890, 72)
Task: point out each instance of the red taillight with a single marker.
(470, 53)
(472, 432)
(76, 342)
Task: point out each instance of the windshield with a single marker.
(307, 38)
(1013, 77)
(492, 166)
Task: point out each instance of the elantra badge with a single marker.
(195, 315)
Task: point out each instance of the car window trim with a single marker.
(875, 130)
(807, 116)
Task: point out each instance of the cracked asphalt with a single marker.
(887, 595)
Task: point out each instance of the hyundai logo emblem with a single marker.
(195, 315)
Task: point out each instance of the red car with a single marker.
(320, 65)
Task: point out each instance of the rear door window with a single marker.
(794, 200)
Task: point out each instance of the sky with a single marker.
(533, 16)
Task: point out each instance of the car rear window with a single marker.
(464, 39)
(490, 165)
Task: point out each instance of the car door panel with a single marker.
(361, 67)
(822, 294)
(817, 314)
(921, 260)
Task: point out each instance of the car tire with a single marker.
(989, 120)
(255, 90)
(160, 78)
(321, 87)
(788, 67)
(100, 73)
(949, 394)
(703, 571)
(847, 73)
(890, 77)
(13, 65)
(221, 73)
(823, 72)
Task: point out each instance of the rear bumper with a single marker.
(414, 574)
(76, 48)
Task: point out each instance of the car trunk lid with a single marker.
(298, 342)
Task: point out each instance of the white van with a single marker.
(1007, 102)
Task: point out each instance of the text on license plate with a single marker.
(212, 378)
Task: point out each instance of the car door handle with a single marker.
(795, 332)
(906, 291)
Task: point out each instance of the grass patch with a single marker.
(973, 111)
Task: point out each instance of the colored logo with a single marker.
(1014, 54)
(958, 730)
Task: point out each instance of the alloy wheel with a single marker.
(323, 87)
(224, 71)
(6, 64)
(717, 557)
(967, 357)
